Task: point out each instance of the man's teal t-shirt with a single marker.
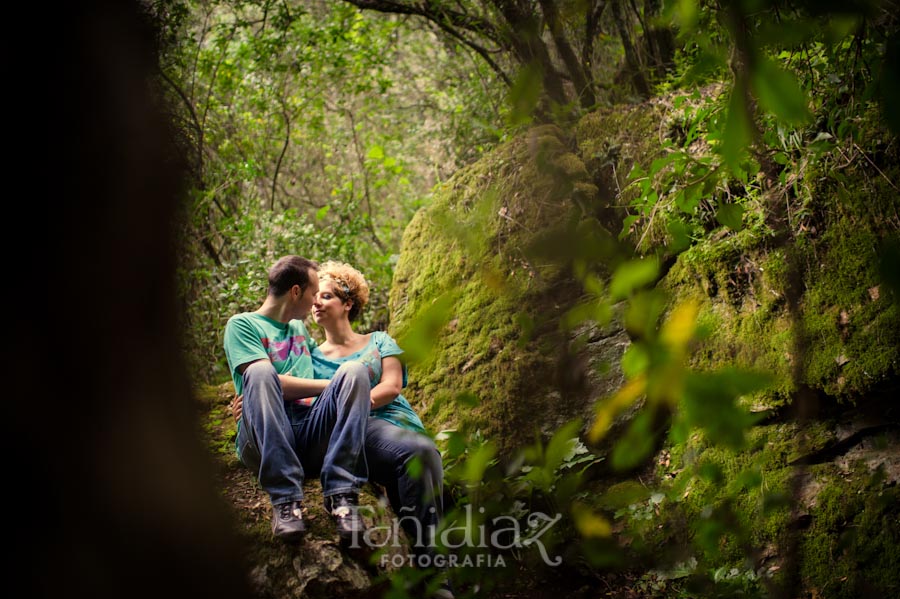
(381, 345)
(250, 337)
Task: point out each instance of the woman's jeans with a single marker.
(283, 442)
(415, 498)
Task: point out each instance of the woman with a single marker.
(400, 456)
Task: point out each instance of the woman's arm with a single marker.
(388, 388)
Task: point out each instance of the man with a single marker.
(281, 439)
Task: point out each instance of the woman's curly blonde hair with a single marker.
(349, 285)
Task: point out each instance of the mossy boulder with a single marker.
(500, 362)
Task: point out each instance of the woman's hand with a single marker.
(236, 406)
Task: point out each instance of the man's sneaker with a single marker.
(445, 591)
(287, 521)
(344, 508)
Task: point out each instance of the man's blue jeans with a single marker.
(283, 442)
(415, 499)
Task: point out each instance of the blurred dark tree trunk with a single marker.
(118, 488)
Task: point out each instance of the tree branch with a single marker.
(434, 13)
(365, 174)
(287, 142)
(479, 50)
(190, 107)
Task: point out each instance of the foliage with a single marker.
(314, 124)
(735, 156)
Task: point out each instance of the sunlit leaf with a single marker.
(608, 409)
(643, 311)
(375, 153)
(588, 523)
(678, 330)
(687, 13)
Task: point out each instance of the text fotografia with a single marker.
(479, 560)
(505, 533)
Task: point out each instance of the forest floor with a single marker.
(252, 512)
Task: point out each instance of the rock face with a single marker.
(804, 304)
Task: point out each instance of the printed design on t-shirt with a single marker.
(280, 351)
(370, 361)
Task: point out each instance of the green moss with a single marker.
(852, 548)
(851, 331)
(854, 328)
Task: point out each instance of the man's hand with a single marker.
(236, 406)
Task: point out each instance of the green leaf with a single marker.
(376, 152)
(456, 443)
(731, 215)
(478, 462)
(525, 94)
(632, 275)
(679, 235)
(736, 136)
(660, 163)
(711, 472)
(688, 198)
(321, 212)
(709, 60)
(418, 340)
(635, 360)
(710, 402)
(779, 92)
(467, 399)
(636, 444)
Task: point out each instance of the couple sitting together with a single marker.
(332, 409)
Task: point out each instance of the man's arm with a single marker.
(293, 387)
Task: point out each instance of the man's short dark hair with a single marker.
(289, 271)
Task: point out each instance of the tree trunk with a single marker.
(632, 64)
